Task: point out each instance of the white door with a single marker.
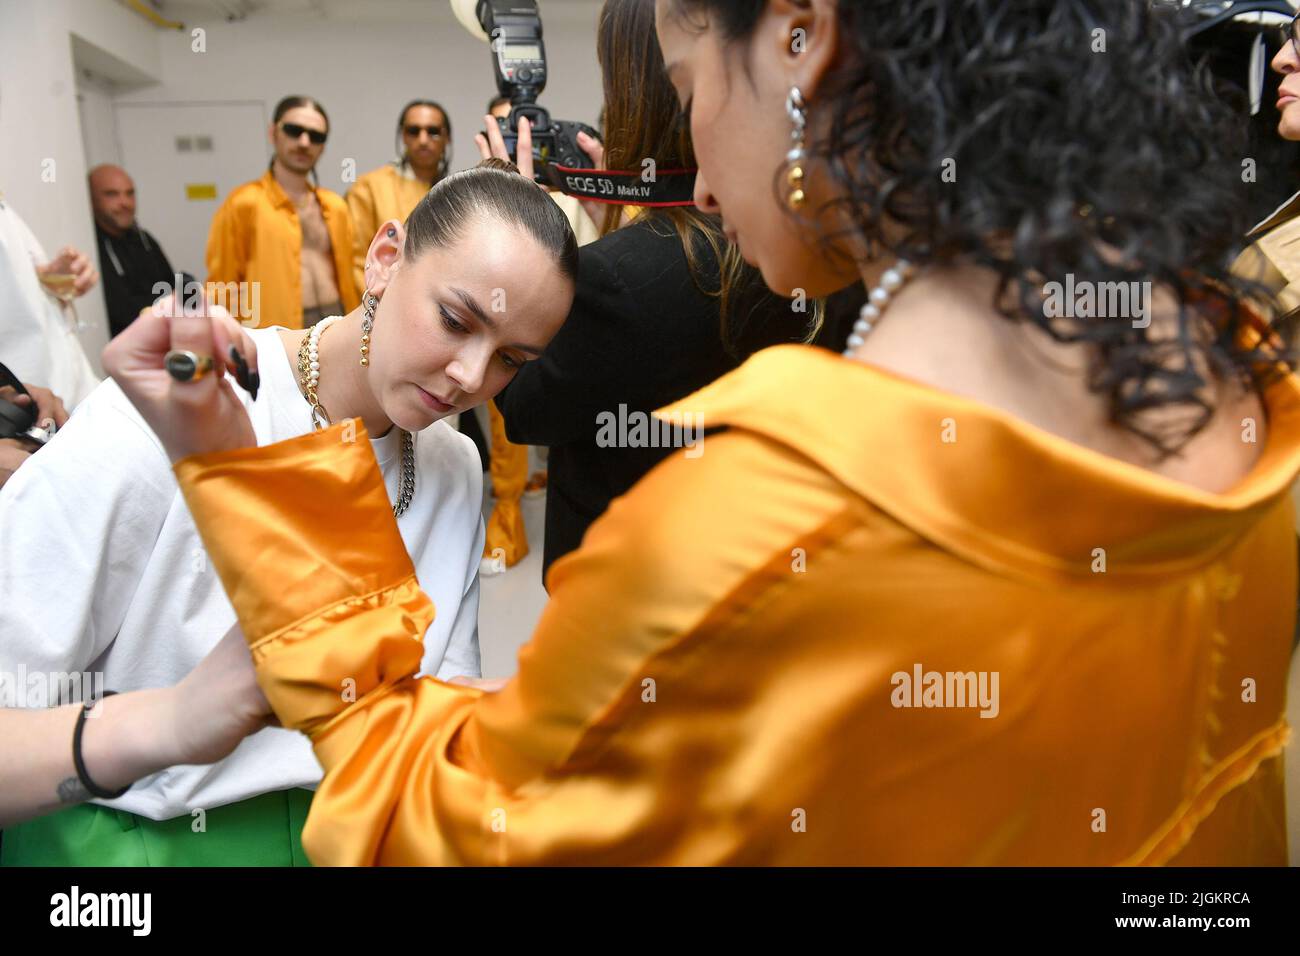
(185, 159)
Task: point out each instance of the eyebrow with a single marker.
(472, 304)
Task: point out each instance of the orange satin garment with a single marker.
(256, 237)
(377, 196)
(713, 680)
(506, 538)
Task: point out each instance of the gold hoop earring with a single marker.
(367, 324)
(797, 110)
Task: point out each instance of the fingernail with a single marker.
(255, 380)
(241, 369)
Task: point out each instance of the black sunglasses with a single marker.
(433, 131)
(294, 131)
(1292, 32)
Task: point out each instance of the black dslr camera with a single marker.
(519, 59)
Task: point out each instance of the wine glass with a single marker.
(62, 285)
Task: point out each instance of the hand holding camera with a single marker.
(514, 28)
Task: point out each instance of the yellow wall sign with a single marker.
(200, 190)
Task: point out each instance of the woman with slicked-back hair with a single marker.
(664, 304)
(139, 601)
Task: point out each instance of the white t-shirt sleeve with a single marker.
(78, 522)
(462, 657)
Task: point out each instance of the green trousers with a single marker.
(265, 830)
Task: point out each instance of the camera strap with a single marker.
(664, 187)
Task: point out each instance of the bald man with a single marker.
(131, 260)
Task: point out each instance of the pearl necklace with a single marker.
(309, 371)
(309, 381)
(880, 296)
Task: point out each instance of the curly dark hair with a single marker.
(1115, 166)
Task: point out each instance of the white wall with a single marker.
(39, 122)
(363, 73)
(98, 129)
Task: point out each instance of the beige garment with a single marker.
(1273, 259)
(584, 230)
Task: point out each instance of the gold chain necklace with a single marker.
(309, 382)
(309, 371)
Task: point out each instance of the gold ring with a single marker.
(187, 366)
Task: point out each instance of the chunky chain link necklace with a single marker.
(309, 382)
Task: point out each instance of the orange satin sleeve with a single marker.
(334, 619)
(564, 765)
(737, 678)
(506, 538)
(303, 537)
(227, 250)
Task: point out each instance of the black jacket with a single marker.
(132, 264)
(641, 334)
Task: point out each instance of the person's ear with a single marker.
(383, 255)
(806, 34)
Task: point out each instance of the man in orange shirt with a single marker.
(394, 189)
(288, 239)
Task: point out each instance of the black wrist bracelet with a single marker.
(91, 787)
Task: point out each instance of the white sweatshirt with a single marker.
(102, 570)
(37, 341)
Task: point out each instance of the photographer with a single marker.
(664, 304)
